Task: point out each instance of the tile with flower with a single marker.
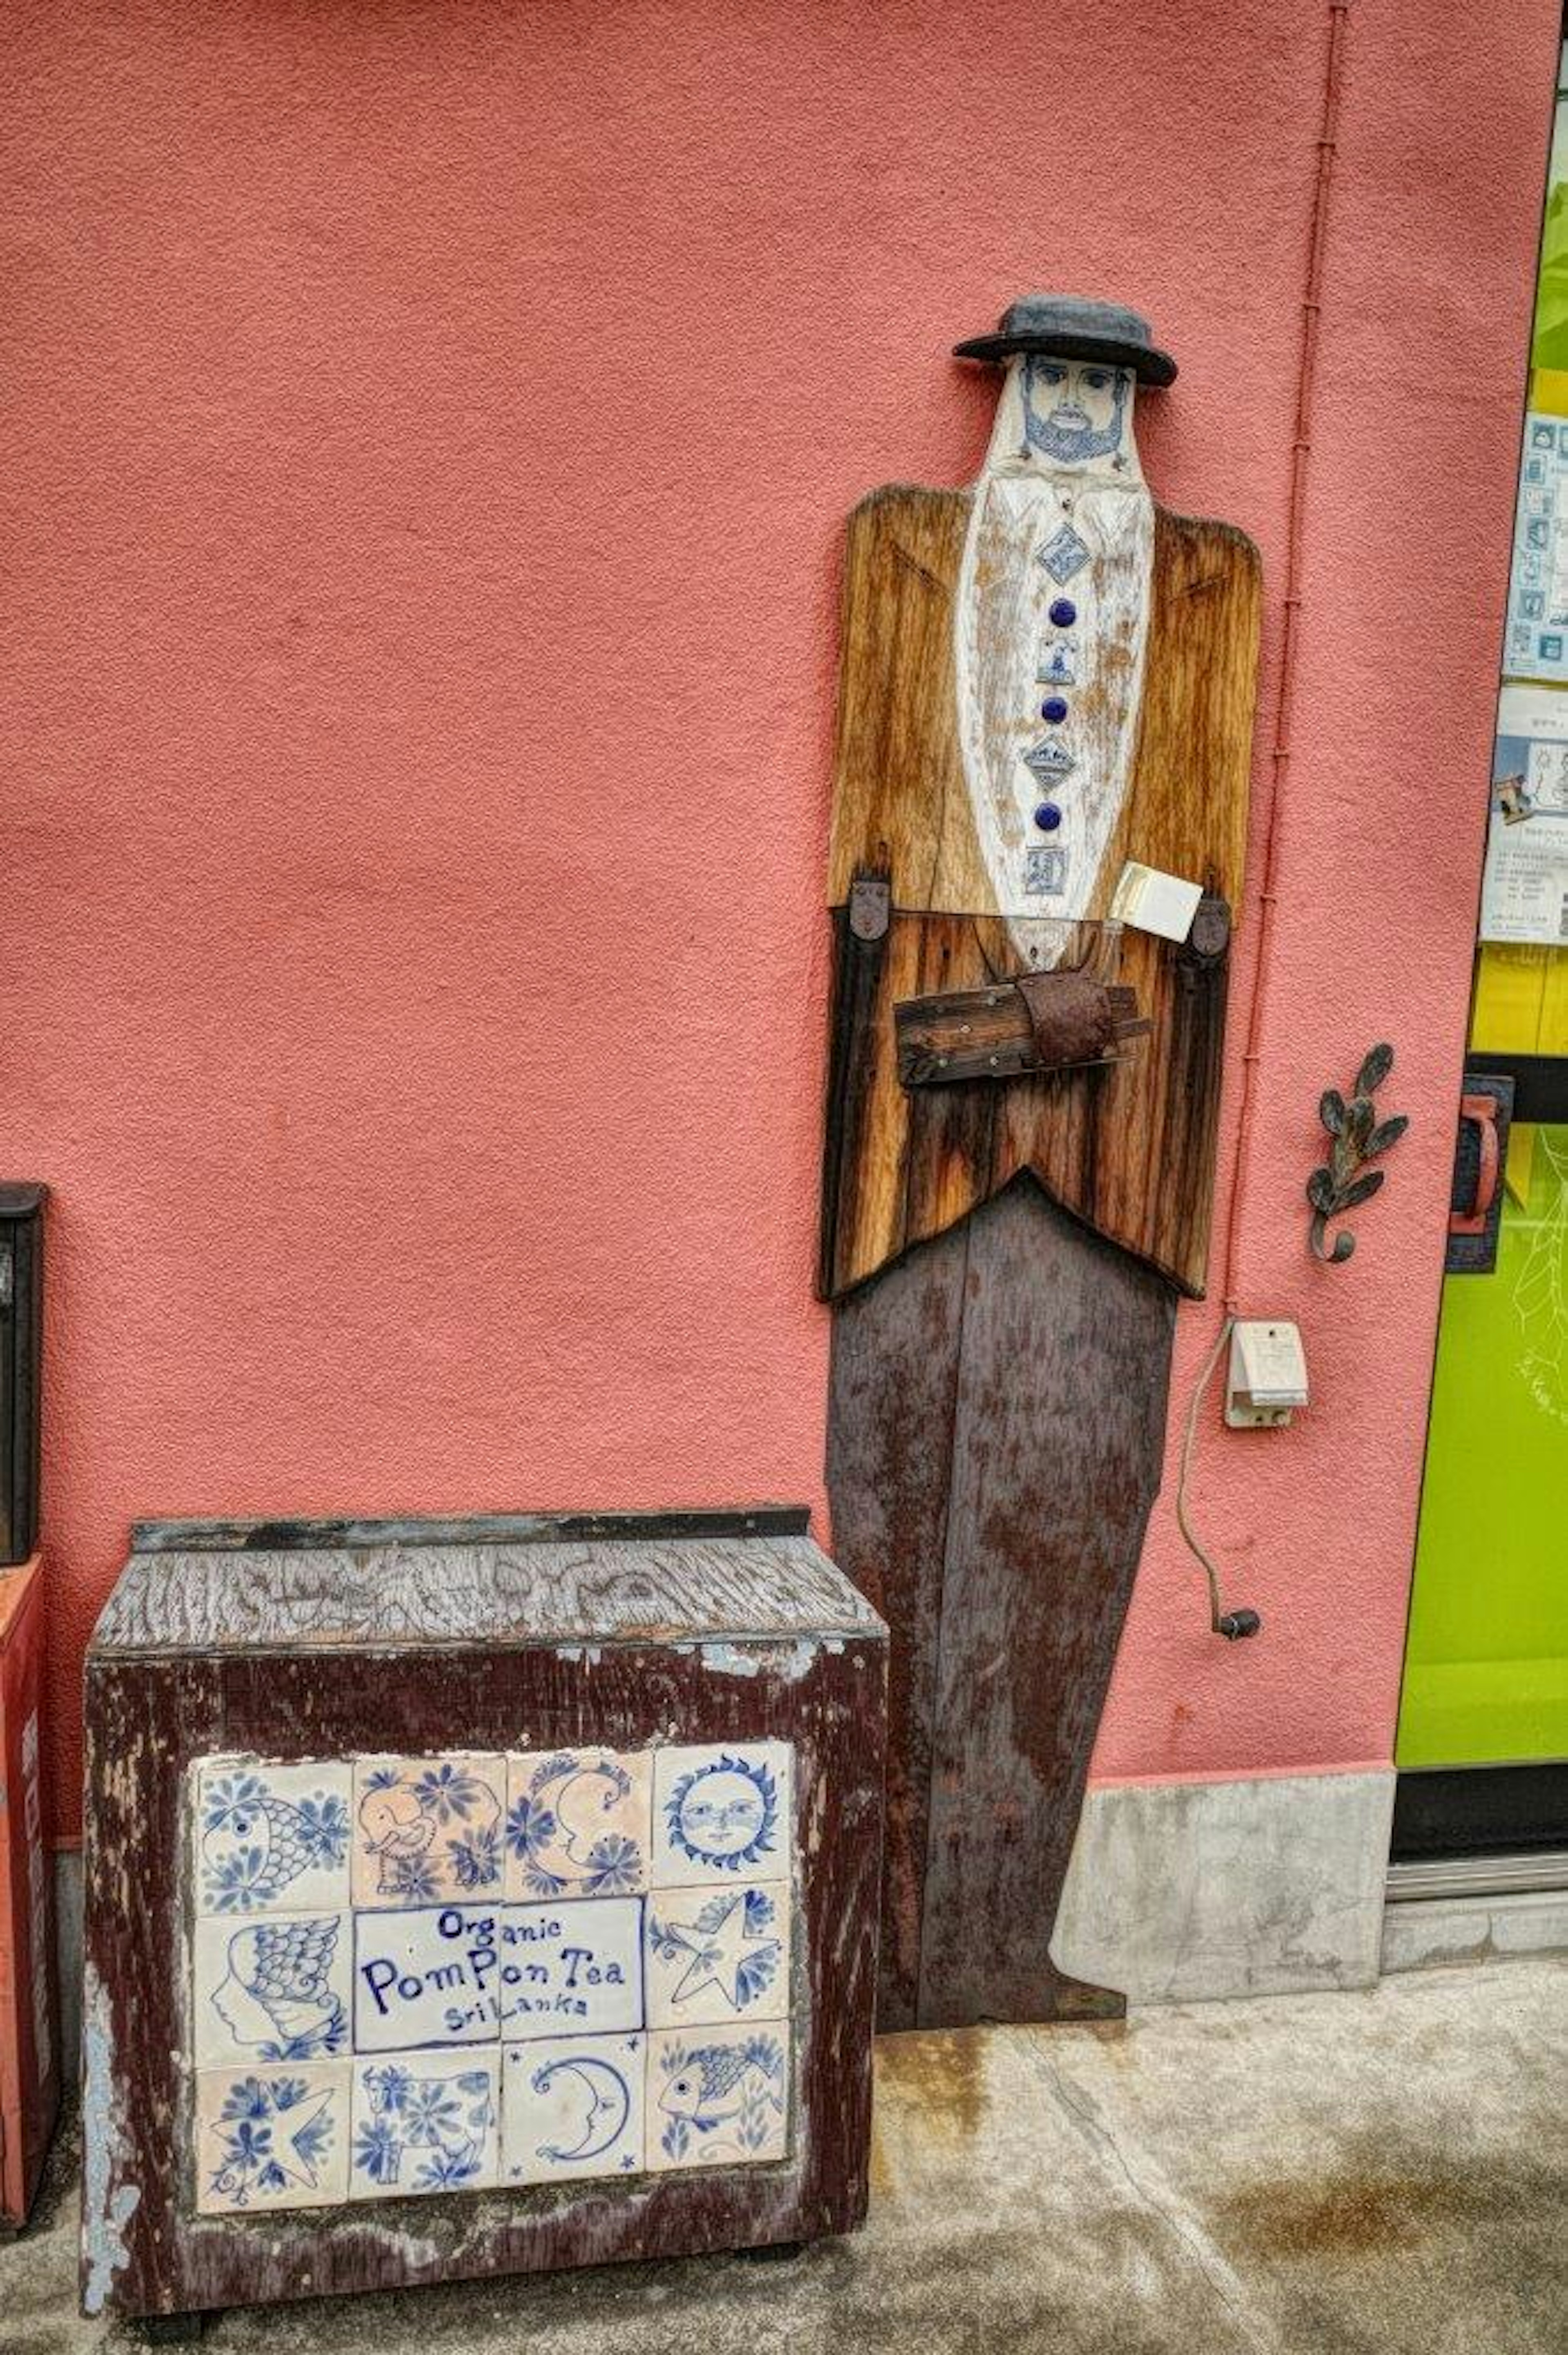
(578, 1823)
(425, 2122)
(269, 1838)
(271, 2138)
(428, 1829)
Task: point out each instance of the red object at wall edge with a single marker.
(29, 1990)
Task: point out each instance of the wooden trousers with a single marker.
(997, 1426)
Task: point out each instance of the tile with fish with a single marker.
(425, 2122)
(427, 1829)
(717, 1955)
(722, 1813)
(578, 1823)
(572, 2106)
(277, 1988)
(271, 2138)
(717, 2096)
(269, 1838)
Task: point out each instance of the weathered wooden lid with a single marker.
(219, 1586)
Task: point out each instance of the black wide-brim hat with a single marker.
(1075, 328)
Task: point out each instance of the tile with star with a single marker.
(271, 2138)
(713, 1956)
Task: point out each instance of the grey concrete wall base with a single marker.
(1426, 1931)
(1183, 1892)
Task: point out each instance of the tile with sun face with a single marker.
(722, 1813)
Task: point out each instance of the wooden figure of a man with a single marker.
(1043, 679)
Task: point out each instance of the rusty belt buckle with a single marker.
(1033, 1022)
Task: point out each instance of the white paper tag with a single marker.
(1153, 902)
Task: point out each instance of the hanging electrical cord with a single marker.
(1246, 1622)
(1231, 1624)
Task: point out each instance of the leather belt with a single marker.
(1036, 1022)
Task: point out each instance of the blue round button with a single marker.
(1063, 612)
(1054, 709)
(1047, 817)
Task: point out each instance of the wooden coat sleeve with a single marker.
(1129, 1149)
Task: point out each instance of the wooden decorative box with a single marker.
(472, 1899)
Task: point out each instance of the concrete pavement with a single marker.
(1350, 2174)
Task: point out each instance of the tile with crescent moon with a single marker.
(572, 2106)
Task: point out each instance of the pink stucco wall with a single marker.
(426, 437)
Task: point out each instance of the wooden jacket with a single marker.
(1128, 1148)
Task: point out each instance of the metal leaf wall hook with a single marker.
(1358, 1136)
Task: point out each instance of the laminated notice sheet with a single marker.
(1524, 891)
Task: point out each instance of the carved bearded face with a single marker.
(1073, 409)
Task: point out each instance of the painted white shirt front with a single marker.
(1046, 535)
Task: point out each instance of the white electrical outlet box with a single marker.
(1267, 1376)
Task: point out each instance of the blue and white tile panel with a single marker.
(411, 1976)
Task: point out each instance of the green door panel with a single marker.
(1486, 1675)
